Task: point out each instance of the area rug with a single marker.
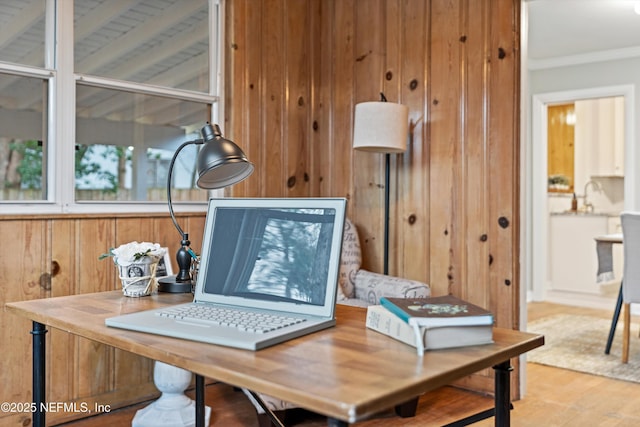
(578, 342)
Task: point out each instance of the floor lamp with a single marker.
(382, 127)
(220, 163)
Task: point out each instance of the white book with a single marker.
(384, 321)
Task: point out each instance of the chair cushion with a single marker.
(370, 287)
(350, 261)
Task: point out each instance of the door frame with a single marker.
(537, 173)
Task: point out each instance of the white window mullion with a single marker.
(50, 63)
(50, 34)
(215, 58)
(216, 86)
(64, 111)
(168, 92)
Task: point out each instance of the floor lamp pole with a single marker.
(387, 168)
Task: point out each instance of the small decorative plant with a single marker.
(558, 182)
(133, 252)
(137, 264)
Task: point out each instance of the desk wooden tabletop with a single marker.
(346, 372)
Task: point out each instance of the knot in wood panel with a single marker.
(363, 56)
(55, 268)
(45, 281)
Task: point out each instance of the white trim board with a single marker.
(536, 199)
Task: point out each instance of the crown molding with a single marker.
(585, 58)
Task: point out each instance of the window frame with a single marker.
(61, 113)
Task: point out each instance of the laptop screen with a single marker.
(272, 251)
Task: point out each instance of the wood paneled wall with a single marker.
(294, 73)
(55, 255)
(295, 69)
(561, 145)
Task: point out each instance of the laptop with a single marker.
(262, 256)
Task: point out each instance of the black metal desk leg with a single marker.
(614, 321)
(334, 422)
(503, 394)
(38, 373)
(200, 414)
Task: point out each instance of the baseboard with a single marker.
(581, 300)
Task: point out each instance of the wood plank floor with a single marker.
(553, 397)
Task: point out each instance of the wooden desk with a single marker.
(347, 372)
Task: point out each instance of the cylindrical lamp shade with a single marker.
(381, 127)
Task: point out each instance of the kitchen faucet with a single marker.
(588, 206)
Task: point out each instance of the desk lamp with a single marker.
(382, 127)
(220, 163)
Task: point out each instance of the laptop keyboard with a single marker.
(242, 320)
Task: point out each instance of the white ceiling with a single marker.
(560, 28)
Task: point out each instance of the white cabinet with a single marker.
(573, 260)
(618, 146)
(599, 138)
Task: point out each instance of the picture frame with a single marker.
(164, 265)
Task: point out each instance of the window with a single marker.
(94, 124)
(23, 101)
(120, 159)
(163, 43)
(22, 142)
(23, 32)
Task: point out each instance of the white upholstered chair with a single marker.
(357, 287)
(361, 287)
(631, 273)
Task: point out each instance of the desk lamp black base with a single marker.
(170, 285)
(182, 282)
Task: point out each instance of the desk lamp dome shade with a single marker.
(220, 162)
(381, 127)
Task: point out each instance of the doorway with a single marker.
(537, 174)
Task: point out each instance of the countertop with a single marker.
(585, 214)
